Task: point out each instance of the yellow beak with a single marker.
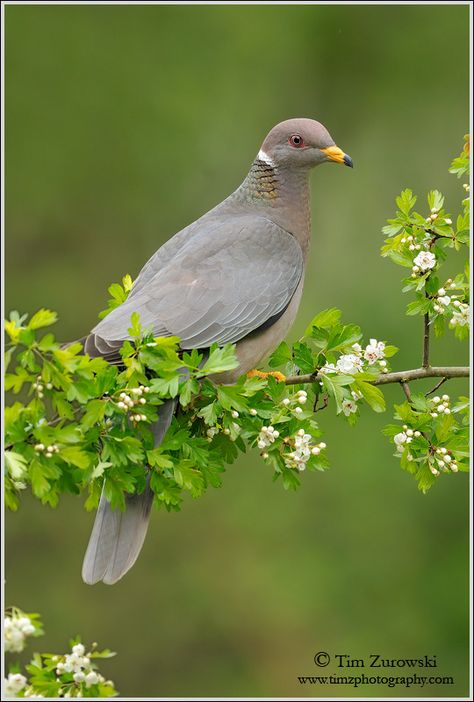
(334, 153)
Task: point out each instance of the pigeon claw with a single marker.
(262, 374)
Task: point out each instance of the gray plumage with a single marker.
(233, 276)
(117, 536)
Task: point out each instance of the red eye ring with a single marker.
(296, 140)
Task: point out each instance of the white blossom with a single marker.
(14, 683)
(349, 407)
(349, 363)
(425, 260)
(16, 630)
(461, 316)
(374, 351)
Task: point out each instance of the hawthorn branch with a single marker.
(396, 377)
(426, 341)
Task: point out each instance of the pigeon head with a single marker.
(301, 143)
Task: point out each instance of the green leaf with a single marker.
(165, 387)
(281, 356)
(75, 456)
(135, 329)
(371, 394)
(220, 360)
(42, 318)
(16, 464)
(157, 459)
(325, 320)
(303, 357)
(94, 413)
(39, 484)
(420, 306)
(435, 200)
(406, 201)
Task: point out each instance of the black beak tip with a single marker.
(348, 161)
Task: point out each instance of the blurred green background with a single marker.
(124, 124)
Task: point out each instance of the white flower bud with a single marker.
(447, 410)
(79, 677)
(49, 386)
(448, 221)
(415, 269)
(411, 247)
(143, 417)
(402, 240)
(409, 457)
(417, 433)
(298, 410)
(441, 464)
(436, 400)
(445, 398)
(315, 450)
(454, 467)
(265, 455)
(253, 412)
(440, 408)
(447, 458)
(39, 447)
(300, 432)
(409, 432)
(441, 291)
(226, 431)
(234, 414)
(443, 449)
(261, 444)
(276, 434)
(322, 445)
(434, 210)
(121, 405)
(453, 286)
(434, 414)
(48, 454)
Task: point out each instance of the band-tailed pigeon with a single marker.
(233, 276)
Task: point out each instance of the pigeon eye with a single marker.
(296, 140)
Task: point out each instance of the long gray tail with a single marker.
(117, 537)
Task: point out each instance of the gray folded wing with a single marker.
(228, 278)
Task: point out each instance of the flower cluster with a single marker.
(404, 438)
(47, 450)
(80, 666)
(299, 398)
(17, 628)
(14, 684)
(303, 449)
(127, 402)
(445, 461)
(350, 363)
(267, 436)
(440, 405)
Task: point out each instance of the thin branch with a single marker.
(406, 390)
(397, 377)
(438, 385)
(426, 341)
